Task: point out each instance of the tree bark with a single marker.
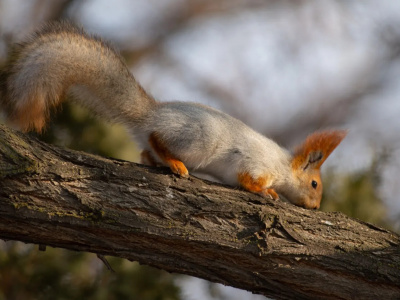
(73, 200)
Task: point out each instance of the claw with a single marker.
(270, 193)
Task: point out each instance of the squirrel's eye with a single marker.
(314, 184)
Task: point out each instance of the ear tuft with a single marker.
(316, 149)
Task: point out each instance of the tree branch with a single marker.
(73, 200)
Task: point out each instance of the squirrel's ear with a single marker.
(316, 149)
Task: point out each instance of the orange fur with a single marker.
(166, 156)
(256, 185)
(324, 142)
(32, 115)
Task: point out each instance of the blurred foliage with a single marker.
(357, 195)
(76, 128)
(27, 273)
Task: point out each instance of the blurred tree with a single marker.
(357, 194)
(27, 273)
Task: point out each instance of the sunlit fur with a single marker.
(307, 160)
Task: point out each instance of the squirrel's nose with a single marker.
(312, 206)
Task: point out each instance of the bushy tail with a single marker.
(62, 59)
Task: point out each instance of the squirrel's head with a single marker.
(306, 163)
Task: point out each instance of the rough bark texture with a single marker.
(73, 200)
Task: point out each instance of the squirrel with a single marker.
(61, 59)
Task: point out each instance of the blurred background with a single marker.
(286, 68)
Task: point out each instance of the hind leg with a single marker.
(168, 158)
